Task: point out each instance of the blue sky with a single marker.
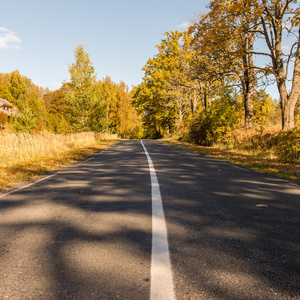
(38, 37)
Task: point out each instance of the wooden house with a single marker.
(8, 108)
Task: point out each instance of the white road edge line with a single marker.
(27, 185)
(161, 272)
(49, 176)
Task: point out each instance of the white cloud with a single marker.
(184, 25)
(9, 39)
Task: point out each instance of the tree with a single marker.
(277, 17)
(18, 88)
(5, 93)
(58, 104)
(81, 94)
(123, 117)
(208, 127)
(25, 121)
(164, 97)
(226, 35)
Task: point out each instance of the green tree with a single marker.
(85, 104)
(211, 126)
(26, 121)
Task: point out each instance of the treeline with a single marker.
(82, 104)
(205, 81)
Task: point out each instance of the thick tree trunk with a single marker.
(288, 101)
(289, 117)
(272, 29)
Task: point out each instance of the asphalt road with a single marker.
(86, 232)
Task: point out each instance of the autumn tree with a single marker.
(264, 109)
(18, 89)
(108, 89)
(226, 34)
(124, 119)
(4, 88)
(57, 110)
(164, 97)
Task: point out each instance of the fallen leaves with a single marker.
(261, 205)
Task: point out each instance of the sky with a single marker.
(38, 37)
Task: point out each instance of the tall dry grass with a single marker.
(25, 147)
(272, 144)
(249, 142)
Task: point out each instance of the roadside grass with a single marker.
(24, 157)
(270, 165)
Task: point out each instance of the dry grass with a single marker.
(254, 159)
(25, 156)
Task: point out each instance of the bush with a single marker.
(287, 145)
(211, 126)
(201, 130)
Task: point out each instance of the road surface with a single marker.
(90, 232)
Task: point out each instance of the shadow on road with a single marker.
(86, 233)
(83, 234)
(234, 233)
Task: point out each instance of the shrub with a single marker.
(209, 127)
(287, 145)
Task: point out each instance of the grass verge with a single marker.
(26, 170)
(265, 165)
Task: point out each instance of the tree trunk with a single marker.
(288, 101)
(249, 78)
(272, 30)
(194, 99)
(289, 116)
(248, 87)
(249, 110)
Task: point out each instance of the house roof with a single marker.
(5, 102)
(12, 109)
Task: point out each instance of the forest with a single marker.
(82, 104)
(206, 85)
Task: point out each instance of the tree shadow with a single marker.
(225, 243)
(84, 234)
